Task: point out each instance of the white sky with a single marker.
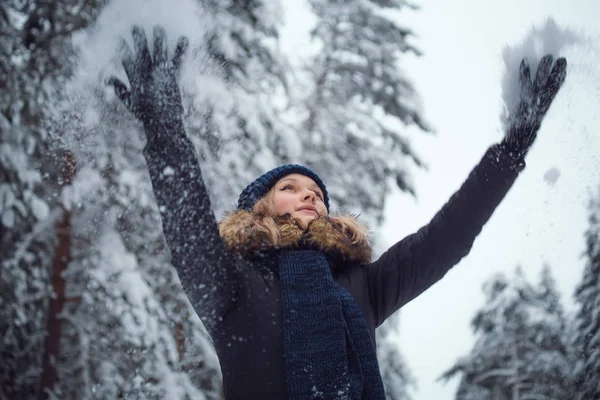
(459, 79)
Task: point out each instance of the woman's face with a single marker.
(299, 196)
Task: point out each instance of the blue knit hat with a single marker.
(261, 186)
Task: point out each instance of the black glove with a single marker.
(535, 99)
(155, 97)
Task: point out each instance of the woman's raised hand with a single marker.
(154, 97)
(535, 100)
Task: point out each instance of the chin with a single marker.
(305, 220)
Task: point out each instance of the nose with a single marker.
(309, 195)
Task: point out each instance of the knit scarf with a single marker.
(329, 353)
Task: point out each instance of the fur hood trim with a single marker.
(342, 238)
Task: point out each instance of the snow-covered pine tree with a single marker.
(59, 335)
(587, 318)
(237, 129)
(552, 367)
(521, 349)
(34, 227)
(359, 104)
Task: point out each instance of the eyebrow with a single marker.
(289, 179)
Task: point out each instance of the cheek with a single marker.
(283, 203)
(323, 209)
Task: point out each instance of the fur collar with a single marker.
(342, 238)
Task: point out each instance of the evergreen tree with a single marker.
(71, 317)
(237, 128)
(521, 350)
(34, 227)
(359, 104)
(587, 319)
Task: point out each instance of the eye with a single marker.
(287, 187)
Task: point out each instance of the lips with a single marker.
(308, 208)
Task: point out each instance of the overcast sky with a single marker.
(459, 80)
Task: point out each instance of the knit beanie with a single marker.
(261, 186)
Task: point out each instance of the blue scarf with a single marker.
(329, 353)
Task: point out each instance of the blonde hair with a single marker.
(264, 225)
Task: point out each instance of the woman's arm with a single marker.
(206, 270)
(418, 261)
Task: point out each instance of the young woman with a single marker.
(289, 293)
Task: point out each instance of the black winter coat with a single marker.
(240, 304)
